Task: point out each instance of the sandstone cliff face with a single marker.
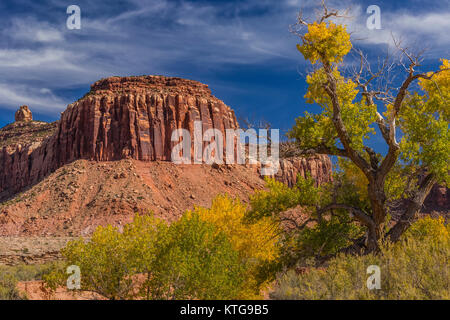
(131, 117)
(319, 166)
(134, 117)
(26, 165)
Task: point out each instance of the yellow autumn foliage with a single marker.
(327, 43)
(256, 243)
(429, 229)
(437, 89)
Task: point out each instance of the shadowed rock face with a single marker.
(438, 199)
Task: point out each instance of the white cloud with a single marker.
(32, 30)
(424, 30)
(13, 96)
(26, 58)
(172, 38)
(45, 91)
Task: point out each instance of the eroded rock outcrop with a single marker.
(319, 166)
(23, 114)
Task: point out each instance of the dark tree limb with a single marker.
(331, 89)
(360, 215)
(413, 207)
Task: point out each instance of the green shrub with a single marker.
(323, 232)
(196, 262)
(8, 289)
(10, 275)
(104, 263)
(429, 229)
(415, 268)
(327, 237)
(190, 259)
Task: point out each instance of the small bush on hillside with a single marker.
(415, 268)
(197, 261)
(8, 289)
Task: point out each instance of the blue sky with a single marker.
(241, 49)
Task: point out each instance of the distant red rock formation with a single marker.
(438, 199)
(319, 166)
(23, 114)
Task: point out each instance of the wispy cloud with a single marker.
(31, 30)
(416, 30)
(192, 38)
(41, 99)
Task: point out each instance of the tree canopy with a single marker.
(410, 117)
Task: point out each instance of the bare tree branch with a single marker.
(360, 215)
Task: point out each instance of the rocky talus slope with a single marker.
(82, 195)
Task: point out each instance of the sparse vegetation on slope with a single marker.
(25, 133)
(11, 275)
(414, 268)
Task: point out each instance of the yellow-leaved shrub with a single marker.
(256, 243)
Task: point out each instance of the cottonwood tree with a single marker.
(412, 120)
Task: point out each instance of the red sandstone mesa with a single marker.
(131, 117)
(135, 117)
